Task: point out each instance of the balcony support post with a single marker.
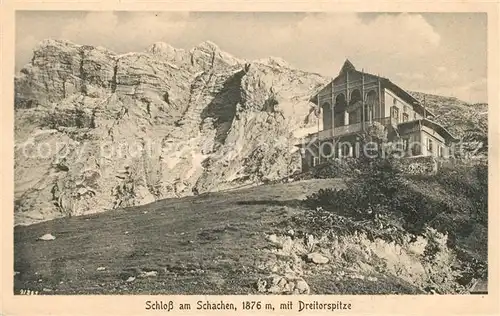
(332, 107)
(319, 111)
(347, 96)
(363, 118)
(381, 114)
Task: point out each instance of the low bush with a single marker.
(384, 203)
(330, 169)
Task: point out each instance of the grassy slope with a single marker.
(208, 244)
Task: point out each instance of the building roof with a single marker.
(347, 66)
(385, 83)
(417, 106)
(431, 124)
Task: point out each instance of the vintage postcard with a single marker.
(249, 159)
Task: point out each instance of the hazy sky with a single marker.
(442, 53)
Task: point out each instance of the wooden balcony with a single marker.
(348, 129)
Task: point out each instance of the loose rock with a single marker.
(357, 276)
(273, 238)
(148, 274)
(301, 287)
(317, 258)
(261, 285)
(47, 237)
(283, 285)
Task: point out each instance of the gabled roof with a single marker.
(347, 66)
(385, 83)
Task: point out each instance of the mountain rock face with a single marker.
(457, 116)
(468, 122)
(96, 130)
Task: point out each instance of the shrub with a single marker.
(384, 203)
(379, 191)
(332, 169)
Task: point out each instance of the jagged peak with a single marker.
(161, 48)
(64, 44)
(209, 45)
(274, 61)
(56, 42)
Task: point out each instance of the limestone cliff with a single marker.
(96, 130)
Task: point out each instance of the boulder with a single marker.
(47, 237)
(317, 258)
(283, 285)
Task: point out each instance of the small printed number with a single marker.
(28, 292)
(251, 305)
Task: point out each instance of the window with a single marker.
(406, 143)
(346, 150)
(315, 161)
(415, 150)
(395, 113)
(368, 113)
(429, 145)
(355, 96)
(371, 103)
(405, 117)
(440, 151)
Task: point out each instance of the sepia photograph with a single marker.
(250, 153)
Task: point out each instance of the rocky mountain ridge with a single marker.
(96, 130)
(456, 115)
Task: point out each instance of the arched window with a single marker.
(355, 96)
(340, 102)
(355, 107)
(327, 116)
(371, 102)
(340, 107)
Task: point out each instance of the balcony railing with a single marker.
(348, 129)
